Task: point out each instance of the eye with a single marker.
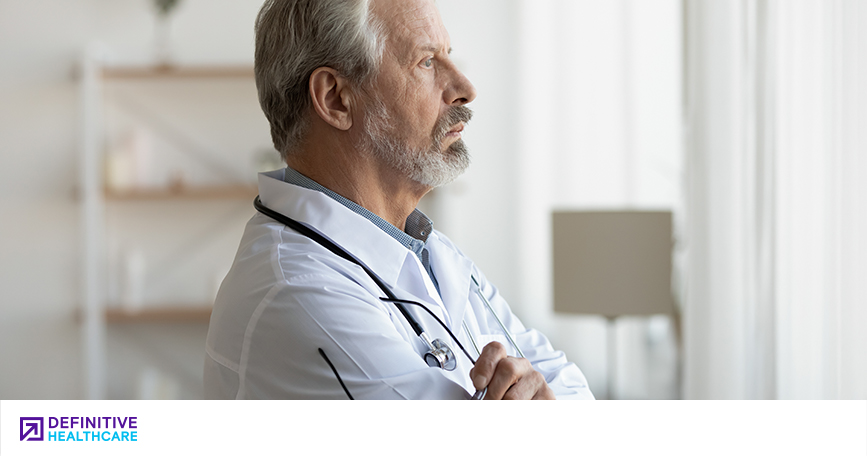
(428, 63)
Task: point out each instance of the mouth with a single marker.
(456, 130)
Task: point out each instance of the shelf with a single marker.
(178, 314)
(183, 193)
(164, 314)
(177, 72)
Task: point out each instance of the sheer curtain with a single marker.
(775, 304)
(599, 128)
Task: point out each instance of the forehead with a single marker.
(411, 25)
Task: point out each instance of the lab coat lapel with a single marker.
(417, 287)
(420, 314)
(453, 275)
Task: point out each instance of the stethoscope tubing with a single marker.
(497, 317)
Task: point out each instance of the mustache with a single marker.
(451, 118)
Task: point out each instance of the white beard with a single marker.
(431, 167)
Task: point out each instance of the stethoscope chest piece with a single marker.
(440, 355)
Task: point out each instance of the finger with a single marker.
(545, 393)
(525, 387)
(530, 386)
(482, 373)
(509, 371)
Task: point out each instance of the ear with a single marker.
(331, 97)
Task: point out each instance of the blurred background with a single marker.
(130, 138)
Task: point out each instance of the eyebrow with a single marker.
(433, 48)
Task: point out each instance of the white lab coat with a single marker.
(286, 296)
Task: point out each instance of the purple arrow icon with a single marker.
(32, 425)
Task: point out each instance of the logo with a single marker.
(32, 428)
(79, 429)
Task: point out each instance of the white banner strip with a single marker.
(297, 427)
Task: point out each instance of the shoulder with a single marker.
(283, 281)
(270, 249)
(276, 266)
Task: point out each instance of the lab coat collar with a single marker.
(356, 234)
(454, 280)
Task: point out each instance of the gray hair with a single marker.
(295, 37)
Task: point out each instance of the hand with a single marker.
(507, 377)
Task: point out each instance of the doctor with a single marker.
(367, 110)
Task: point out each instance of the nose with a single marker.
(461, 90)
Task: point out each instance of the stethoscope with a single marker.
(438, 354)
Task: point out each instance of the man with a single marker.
(367, 110)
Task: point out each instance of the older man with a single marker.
(367, 110)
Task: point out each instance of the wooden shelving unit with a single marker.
(95, 200)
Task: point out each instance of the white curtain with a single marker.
(599, 128)
(775, 303)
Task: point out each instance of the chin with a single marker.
(439, 169)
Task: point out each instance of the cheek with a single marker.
(416, 117)
(427, 112)
(415, 108)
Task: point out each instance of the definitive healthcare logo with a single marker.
(31, 428)
(79, 429)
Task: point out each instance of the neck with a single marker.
(360, 178)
